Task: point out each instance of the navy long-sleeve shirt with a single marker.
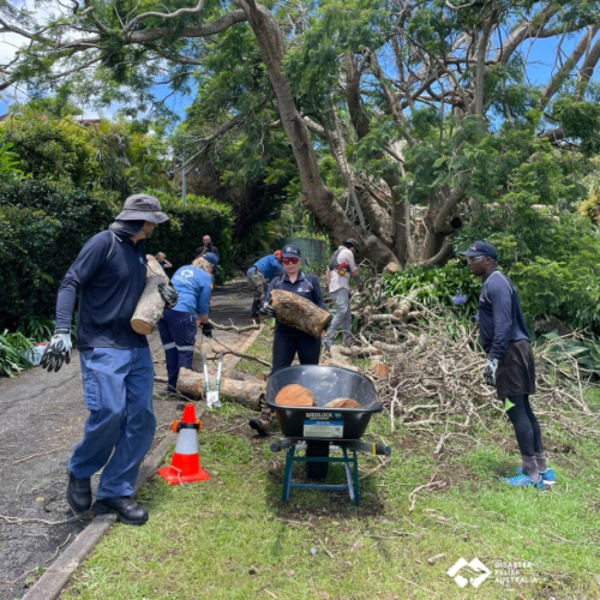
(501, 317)
(109, 275)
(306, 286)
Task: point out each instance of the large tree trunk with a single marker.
(150, 306)
(249, 393)
(316, 196)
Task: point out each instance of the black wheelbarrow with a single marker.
(318, 429)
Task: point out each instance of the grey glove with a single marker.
(169, 294)
(489, 372)
(57, 351)
(267, 309)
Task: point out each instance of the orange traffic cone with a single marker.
(185, 464)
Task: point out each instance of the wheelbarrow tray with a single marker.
(325, 384)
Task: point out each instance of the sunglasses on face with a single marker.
(475, 259)
(291, 261)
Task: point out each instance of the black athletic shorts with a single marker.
(516, 371)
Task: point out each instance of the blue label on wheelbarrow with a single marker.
(323, 429)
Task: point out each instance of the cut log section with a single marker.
(150, 306)
(294, 395)
(343, 403)
(244, 392)
(296, 311)
(392, 267)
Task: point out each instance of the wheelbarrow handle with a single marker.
(369, 447)
(382, 449)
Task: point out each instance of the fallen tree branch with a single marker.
(255, 326)
(228, 350)
(430, 484)
(19, 521)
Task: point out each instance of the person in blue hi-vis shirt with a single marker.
(259, 275)
(179, 325)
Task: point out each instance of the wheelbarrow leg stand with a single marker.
(350, 467)
(352, 476)
(287, 478)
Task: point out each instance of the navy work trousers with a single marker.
(178, 335)
(286, 344)
(117, 390)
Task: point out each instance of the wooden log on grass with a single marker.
(150, 306)
(296, 311)
(248, 393)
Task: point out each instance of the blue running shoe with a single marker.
(523, 480)
(548, 475)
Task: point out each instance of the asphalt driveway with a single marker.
(41, 419)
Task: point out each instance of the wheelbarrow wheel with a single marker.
(317, 470)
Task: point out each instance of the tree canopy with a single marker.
(406, 121)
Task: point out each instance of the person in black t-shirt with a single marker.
(207, 246)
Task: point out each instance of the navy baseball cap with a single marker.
(212, 258)
(480, 248)
(290, 252)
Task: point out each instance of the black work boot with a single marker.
(79, 493)
(127, 511)
(262, 423)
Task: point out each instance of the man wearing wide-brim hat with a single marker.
(109, 275)
(509, 365)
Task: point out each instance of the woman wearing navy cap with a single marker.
(179, 324)
(287, 340)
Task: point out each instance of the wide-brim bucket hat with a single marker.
(142, 207)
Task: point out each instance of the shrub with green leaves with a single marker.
(42, 228)
(14, 353)
(567, 291)
(37, 330)
(179, 237)
(451, 285)
(9, 161)
(569, 353)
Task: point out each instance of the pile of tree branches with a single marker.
(435, 370)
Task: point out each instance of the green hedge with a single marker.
(179, 237)
(43, 227)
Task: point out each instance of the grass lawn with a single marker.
(232, 537)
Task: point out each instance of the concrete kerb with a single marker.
(50, 585)
(52, 582)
